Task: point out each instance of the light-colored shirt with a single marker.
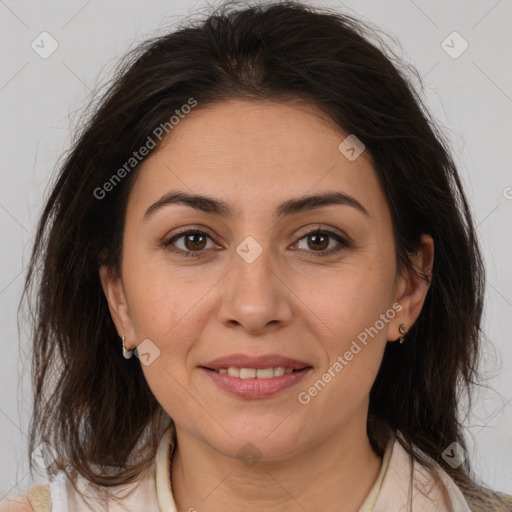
(398, 487)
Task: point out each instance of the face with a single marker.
(293, 283)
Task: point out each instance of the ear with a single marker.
(411, 290)
(113, 289)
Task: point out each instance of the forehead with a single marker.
(253, 154)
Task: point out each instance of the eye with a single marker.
(193, 242)
(319, 242)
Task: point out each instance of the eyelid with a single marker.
(186, 230)
(311, 230)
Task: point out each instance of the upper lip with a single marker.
(258, 362)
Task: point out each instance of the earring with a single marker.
(402, 331)
(127, 354)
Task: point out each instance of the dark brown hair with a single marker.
(94, 407)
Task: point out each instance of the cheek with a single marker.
(346, 301)
(169, 308)
(351, 313)
(351, 362)
(160, 297)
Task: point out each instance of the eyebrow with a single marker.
(218, 207)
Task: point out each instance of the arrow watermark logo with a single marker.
(147, 352)
(44, 45)
(454, 45)
(43, 456)
(454, 455)
(249, 249)
(351, 147)
(249, 454)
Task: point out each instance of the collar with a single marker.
(163, 472)
(409, 486)
(370, 500)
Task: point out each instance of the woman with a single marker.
(255, 207)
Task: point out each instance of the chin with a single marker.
(256, 444)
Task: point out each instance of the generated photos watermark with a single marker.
(304, 397)
(143, 151)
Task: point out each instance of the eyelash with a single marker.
(196, 254)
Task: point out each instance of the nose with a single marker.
(254, 296)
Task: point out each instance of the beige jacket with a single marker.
(395, 488)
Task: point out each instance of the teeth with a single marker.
(255, 373)
(264, 373)
(234, 372)
(247, 373)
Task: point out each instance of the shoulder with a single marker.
(20, 504)
(36, 500)
(17, 504)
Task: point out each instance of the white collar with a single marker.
(163, 473)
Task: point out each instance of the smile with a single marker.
(255, 382)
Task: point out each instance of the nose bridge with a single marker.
(252, 270)
(253, 296)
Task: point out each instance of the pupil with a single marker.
(190, 238)
(314, 237)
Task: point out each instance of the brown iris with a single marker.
(191, 244)
(316, 236)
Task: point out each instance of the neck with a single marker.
(335, 475)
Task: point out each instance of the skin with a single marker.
(288, 301)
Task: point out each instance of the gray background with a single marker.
(470, 95)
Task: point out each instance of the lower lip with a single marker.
(256, 388)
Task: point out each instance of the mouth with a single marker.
(256, 377)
